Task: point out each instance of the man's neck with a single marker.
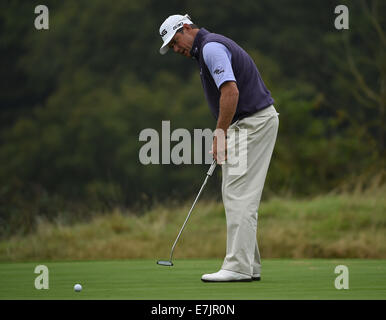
(195, 31)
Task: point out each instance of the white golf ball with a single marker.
(77, 287)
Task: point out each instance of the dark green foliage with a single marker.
(75, 98)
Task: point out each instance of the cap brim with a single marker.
(165, 47)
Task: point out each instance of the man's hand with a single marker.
(219, 146)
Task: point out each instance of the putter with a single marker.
(169, 262)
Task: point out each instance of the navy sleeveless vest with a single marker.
(253, 94)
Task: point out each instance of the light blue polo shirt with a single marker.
(217, 58)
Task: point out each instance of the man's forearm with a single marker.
(228, 105)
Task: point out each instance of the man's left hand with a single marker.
(219, 148)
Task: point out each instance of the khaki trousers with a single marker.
(241, 192)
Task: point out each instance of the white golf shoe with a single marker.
(225, 276)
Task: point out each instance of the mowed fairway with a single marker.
(145, 280)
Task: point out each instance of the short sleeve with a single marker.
(217, 58)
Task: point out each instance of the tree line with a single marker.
(74, 99)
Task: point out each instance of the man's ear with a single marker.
(187, 27)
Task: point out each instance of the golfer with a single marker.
(239, 101)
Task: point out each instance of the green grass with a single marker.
(143, 279)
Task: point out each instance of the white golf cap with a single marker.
(169, 28)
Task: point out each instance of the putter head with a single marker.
(165, 263)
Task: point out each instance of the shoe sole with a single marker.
(241, 280)
(256, 278)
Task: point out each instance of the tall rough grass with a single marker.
(330, 226)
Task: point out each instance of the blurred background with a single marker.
(74, 99)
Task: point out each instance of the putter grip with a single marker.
(212, 167)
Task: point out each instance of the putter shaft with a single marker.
(208, 174)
